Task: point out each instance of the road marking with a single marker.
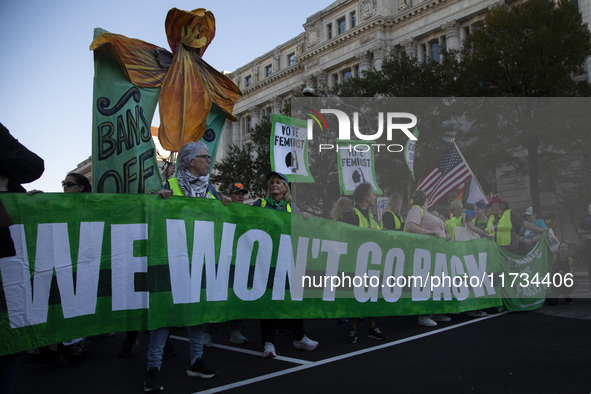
(252, 352)
(341, 357)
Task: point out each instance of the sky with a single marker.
(46, 72)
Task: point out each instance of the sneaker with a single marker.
(108, 335)
(269, 350)
(199, 369)
(442, 318)
(375, 333)
(207, 339)
(426, 321)
(127, 347)
(46, 357)
(351, 337)
(305, 344)
(36, 351)
(237, 337)
(80, 349)
(477, 313)
(152, 384)
(169, 350)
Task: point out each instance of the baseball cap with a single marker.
(271, 173)
(529, 211)
(495, 200)
(480, 204)
(237, 188)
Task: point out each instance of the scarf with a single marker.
(191, 185)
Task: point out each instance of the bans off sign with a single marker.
(94, 263)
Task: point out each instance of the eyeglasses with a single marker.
(69, 184)
(205, 157)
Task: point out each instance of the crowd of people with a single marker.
(517, 233)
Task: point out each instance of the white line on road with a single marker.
(336, 358)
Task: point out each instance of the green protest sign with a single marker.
(289, 148)
(93, 263)
(356, 164)
(123, 152)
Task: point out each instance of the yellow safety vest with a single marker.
(363, 221)
(264, 203)
(397, 223)
(177, 191)
(422, 215)
(451, 224)
(503, 230)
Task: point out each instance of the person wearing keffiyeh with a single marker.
(192, 177)
(192, 180)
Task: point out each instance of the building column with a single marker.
(411, 46)
(348, 20)
(378, 56)
(364, 60)
(321, 78)
(255, 116)
(277, 104)
(421, 53)
(236, 132)
(452, 34)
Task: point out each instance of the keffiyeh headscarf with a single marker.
(191, 185)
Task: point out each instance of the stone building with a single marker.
(349, 36)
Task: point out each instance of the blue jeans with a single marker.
(158, 339)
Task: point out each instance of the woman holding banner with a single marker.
(391, 219)
(420, 221)
(360, 215)
(279, 199)
(78, 347)
(192, 180)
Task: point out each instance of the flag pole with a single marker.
(468, 165)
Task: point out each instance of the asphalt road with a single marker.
(545, 351)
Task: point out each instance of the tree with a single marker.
(237, 167)
(532, 49)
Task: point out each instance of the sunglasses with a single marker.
(69, 184)
(205, 157)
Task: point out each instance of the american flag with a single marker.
(447, 175)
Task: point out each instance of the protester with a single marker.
(480, 220)
(236, 193)
(17, 165)
(192, 180)
(530, 238)
(584, 228)
(342, 205)
(562, 264)
(78, 347)
(279, 199)
(361, 216)
(460, 219)
(391, 218)
(505, 224)
(420, 221)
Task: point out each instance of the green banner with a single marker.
(213, 132)
(526, 279)
(289, 148)
(123, 152)
(93, 263)
(409, 152)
